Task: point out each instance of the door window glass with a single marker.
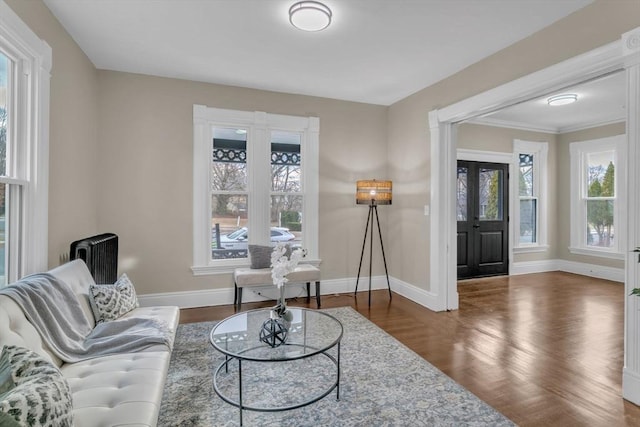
(490, 186)
(461, 193)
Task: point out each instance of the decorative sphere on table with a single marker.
(274, 332)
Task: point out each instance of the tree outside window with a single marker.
(600, 205)
(597, 210)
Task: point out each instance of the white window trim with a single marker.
(540, 151)
(578, 151)
(34, 59)
(258, 124)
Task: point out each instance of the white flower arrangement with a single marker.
(281, 265)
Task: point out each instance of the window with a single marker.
(597, 204)
(255, 182)
(530, 210)
(25, 62)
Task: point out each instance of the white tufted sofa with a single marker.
(116, 390)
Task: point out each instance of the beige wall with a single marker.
(72, 138)
(491, 138)
(121, 151)
(564, 140)
(129, 172)
(595, 25)
(145, 172)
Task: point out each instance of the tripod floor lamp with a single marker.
(372, 193)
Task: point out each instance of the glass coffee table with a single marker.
(304, 363)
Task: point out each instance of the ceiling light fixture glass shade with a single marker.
(564, 99)
(373, 192)
(310, 16)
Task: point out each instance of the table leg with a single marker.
(240, 388)
(338, 385)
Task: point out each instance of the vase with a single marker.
(281, 307)
(275, 329)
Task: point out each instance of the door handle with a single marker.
(476, 225)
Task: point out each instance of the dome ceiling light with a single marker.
(310, 16)
(564, 99)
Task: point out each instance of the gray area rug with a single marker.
(383, 383)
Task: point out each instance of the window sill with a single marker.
(597, 253)
(228, 268)
(530, 249)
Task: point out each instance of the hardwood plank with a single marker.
(543, 349)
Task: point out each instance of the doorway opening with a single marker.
(597, 63)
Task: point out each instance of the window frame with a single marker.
(540, 152)
(578, 152)
(259, 126)
(28, 140)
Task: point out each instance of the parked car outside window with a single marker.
(239, 239)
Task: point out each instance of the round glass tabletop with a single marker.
(311, 332)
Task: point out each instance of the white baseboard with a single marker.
(631, 386)
(205, 298)
(529, 267)
(591, 270)
(211, 297)
(188, 299)
(415, 294)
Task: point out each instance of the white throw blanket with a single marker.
(54, 310)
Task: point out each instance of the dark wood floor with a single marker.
(543, 349)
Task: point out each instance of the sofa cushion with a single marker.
(109, 302)
(118, 390)
(40, 395)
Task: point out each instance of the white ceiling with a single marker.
(375, 51)
(600, 102)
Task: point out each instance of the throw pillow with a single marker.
(260, 256)
(109, 302)
(40, 396)
(7, 420)
(6, 379)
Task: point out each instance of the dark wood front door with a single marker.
(483, 219)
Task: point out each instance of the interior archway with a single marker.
(621, 55)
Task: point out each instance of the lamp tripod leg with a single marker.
(384, 259)
(364, 242)
(371, 209)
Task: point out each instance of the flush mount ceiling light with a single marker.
(564, 99)
(310, 15)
